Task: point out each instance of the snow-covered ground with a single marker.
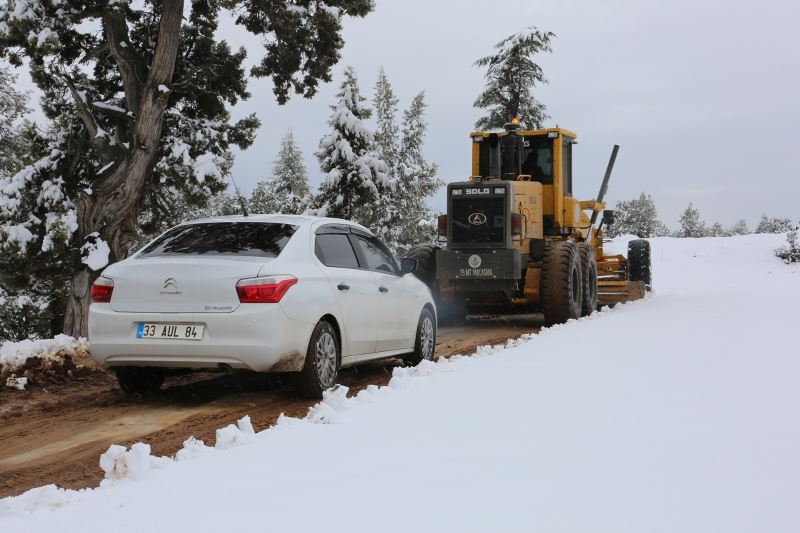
(673, 414)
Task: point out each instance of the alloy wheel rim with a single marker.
(427, 338)
(326, 359)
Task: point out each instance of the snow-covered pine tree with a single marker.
(141, 92)
(387, 135)
(32, 294)
(740, 228)
(510, 76)
(355, 177)
(790, 253)
(637, 217)
(385, 215)
(717, 231)
(774, 225)
(287, 190)
(417, 179)
(691, 223)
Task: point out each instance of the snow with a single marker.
(16, 383)
(105, 167)
(108, 107)
(163, 88)
(675, 413)
(14, 354)
(95, 252)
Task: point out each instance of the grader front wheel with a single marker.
(639, 263)
(562, 283)
(589, 273)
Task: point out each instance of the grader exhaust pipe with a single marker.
(604, 186)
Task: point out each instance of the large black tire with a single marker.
(139, 380)
(589, 279)
(425, 254)
(323, 358)
(639, 263)
(425, 342)
(561, 282)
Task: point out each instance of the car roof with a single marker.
(276, 218)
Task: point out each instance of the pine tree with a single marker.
(417, 179)
(355, 176)
(637, 217)
(32, 294)
(510, 76)
(287, 190)
(691, 223)
(740, 228)
(387, 133)
(718, 231)
(139, 94)
(774, 225)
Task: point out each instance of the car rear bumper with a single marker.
(257, 337)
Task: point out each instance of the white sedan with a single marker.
(268, 293)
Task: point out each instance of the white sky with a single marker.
(701, 95)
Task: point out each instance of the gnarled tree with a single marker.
(139, 96)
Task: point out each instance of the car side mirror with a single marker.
(408, 265)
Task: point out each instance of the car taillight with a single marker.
(264, 290)
(442, 221)
(102, 289)
(516, 224)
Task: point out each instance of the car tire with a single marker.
(561, 282)
(139, 380)
(639, 263)
(323, 358)
(425, 341)
(589, 275)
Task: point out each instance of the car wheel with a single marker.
(425, 343)
(321, 367)
(139, 380)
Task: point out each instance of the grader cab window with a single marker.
(537, 158)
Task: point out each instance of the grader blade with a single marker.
(616, 291)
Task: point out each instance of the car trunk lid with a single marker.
(180, 285)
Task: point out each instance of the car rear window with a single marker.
(260, 239)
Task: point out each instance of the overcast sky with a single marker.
(703, 96)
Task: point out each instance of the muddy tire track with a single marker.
(56, 433)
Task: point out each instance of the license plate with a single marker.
(160, 330)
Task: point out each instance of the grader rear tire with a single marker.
(561, 282)
(589, 273)
(639, 263)
(425, 254)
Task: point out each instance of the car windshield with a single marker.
(260, 239)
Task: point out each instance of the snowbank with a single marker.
(676, 413)
(13, 355)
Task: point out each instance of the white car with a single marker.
(268, 293)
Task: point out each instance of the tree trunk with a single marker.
(114, 206)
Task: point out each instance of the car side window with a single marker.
(335, 250)
(376, 255)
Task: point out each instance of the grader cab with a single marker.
(517, 239)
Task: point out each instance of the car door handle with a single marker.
(383, 289)
(343, 287)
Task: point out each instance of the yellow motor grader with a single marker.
(517, 239)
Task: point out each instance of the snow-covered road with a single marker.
(677, 413)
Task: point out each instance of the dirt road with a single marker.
(56, 434)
